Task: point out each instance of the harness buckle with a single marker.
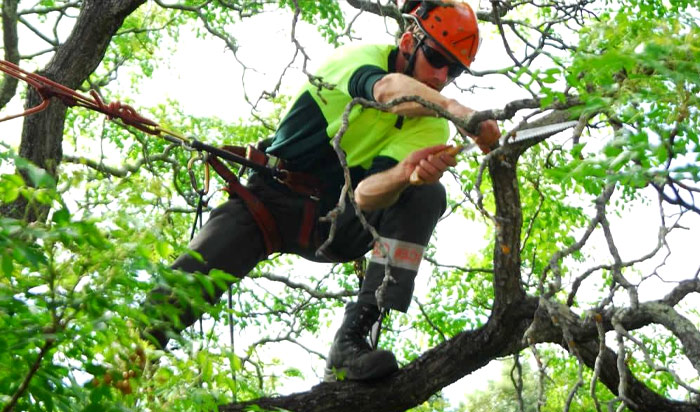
(274, 161)
(286, 178)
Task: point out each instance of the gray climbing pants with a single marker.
(232, 242)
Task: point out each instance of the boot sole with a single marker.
(381, 369)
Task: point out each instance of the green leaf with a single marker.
(206, 283)
(61, 216)
(39, 177)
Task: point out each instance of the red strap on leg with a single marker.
(298, 182)
(263, 217)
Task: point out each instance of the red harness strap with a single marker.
(262, 216)
(302, 183)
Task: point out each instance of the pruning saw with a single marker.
(510, 138)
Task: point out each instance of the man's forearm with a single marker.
(382, 189)
(394, 86)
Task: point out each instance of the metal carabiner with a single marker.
(207, 175)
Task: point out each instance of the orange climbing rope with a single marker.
(115, 110)
(128, 115)
(247, 157)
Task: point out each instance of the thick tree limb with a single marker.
(418, 380)
(10, 44)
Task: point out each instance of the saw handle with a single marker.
(415, 180)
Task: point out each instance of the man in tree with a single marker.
(383, 150)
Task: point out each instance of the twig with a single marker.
(30, 374)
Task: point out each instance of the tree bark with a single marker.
(10, 44)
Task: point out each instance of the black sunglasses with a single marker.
(438, 61)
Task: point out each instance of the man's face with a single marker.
(434, 67)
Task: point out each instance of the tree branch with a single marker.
(127, 169)
(313, 292)
(30, 374)
(11, 46)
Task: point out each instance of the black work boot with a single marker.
(351, 357)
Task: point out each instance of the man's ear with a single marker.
(406, 44)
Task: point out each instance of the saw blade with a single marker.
(541, 131)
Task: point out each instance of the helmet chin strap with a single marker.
(408, 70)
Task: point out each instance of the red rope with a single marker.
(48, 88)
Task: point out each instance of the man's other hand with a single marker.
(487, 136)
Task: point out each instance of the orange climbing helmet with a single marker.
(451, 24)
